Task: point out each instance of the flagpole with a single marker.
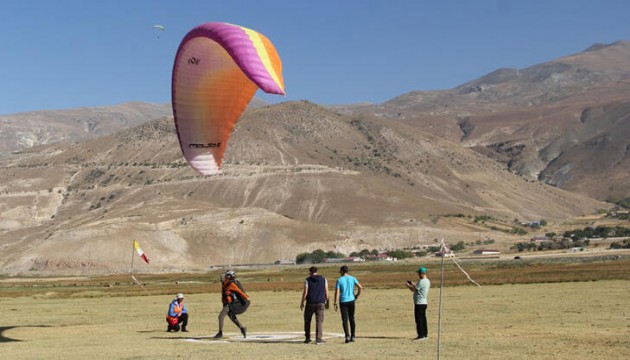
(443, 250)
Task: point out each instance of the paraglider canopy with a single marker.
(159, 28)
(217, 70)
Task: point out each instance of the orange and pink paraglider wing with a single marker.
(217, 70)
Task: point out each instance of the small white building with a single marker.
(447, 253)
(486, 252)
(380, 257)
(343, 260)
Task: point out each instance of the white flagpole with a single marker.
(443, 250)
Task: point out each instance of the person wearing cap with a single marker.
(177, 314)
(420, 295)
(345, 297)
(315, 295)
(235, 301)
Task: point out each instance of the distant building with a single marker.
(486, 252)
(284, 262)
(447, 253)
(342, 260)
(380, 257)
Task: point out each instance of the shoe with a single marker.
(352, 338)
(421, 338)
(169, 329)
(244, 332)
(347, 339)
(318, 342)
(184, 330)
(219, 335)
(307, 341)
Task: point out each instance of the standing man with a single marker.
(235, 301)
(345, 297)
(177, 314)
(315, 295)
(420, 296)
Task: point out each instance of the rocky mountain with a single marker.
(298, 176)
(24, 130)
(551, 121)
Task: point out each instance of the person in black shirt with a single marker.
(315, 295)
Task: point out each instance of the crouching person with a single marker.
(177, 314)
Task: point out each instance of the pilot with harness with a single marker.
(235, 301)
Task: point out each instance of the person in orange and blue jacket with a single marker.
(235, 301)
(177, 314)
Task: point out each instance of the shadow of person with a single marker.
(4, 339)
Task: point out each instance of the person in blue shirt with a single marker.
(177, 314)
(345, 299)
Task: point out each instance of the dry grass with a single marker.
(562, 321)
(569, 320)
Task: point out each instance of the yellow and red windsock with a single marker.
(140, 252)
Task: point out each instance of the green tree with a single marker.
(318, 256)
(301, 258)
(400, 254)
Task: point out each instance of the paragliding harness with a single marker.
(239, 304)
(172, 320)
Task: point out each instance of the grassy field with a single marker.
(524, 309)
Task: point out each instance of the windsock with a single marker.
(140, 252)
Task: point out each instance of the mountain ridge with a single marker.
(299, 176)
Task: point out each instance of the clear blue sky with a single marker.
(61, 54)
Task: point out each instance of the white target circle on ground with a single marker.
(262, 337)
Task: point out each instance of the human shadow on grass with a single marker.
(4, 339)
(225, 340)
(383, 337)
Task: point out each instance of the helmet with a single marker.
(230, 273)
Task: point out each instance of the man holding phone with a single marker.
(420, 299)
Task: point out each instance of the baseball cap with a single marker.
(422, 270)
(180, 296)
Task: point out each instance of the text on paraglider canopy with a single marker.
(202, 146)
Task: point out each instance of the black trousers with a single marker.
(228, 311)
(347, 316)
(183, 319)
(420, 313)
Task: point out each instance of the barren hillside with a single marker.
(81, 184)
(297, 177)
(24, 130)
(548, 121)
